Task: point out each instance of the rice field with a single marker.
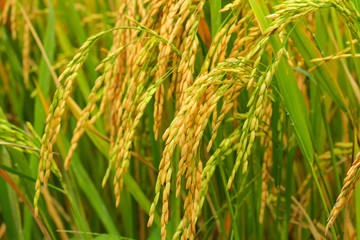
(219, 119)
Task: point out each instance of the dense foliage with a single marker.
(179, 119)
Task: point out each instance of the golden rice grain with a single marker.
(349, 184)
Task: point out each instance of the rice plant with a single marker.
(179, 119)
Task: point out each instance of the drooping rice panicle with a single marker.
(56, 110)
(350, 182)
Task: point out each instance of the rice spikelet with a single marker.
(350, 182)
